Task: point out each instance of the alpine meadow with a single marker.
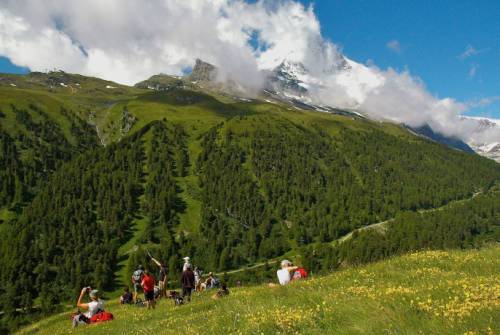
(219, 179)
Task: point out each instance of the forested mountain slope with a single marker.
(92, 177)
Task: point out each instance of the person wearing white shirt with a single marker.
(285, 273)
(95, 306)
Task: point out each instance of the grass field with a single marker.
(433, 292)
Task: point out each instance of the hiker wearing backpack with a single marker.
(136, 280)
(148, 285)
(187, 282)
(300, 273)
(95, 309)
(285, 273)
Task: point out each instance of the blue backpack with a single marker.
(215, 282)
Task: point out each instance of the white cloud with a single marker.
(473, 70)
(127, 41)
(36, 50)
(471, 51)
(394, 45)
(483, 102)
(468, 52)
(130, 40)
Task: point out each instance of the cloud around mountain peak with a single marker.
(128, 41)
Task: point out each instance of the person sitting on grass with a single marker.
(285, 273)
(215, 281)
(93, 307)
(127, 297)
(222, 292)
(212, 281)
(148, 285)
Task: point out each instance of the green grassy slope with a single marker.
(432, 292)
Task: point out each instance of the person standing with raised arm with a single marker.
(162, 282)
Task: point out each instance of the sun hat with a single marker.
(285, 262)
(94, 293)
(186, 258)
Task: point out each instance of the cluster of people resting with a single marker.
(191, 280)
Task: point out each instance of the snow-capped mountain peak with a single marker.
(477, 141)
(289, 77)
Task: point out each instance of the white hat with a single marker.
(285, 262)
(186, 258)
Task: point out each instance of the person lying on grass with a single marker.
(222, 292)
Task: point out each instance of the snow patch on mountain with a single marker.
(477, 142)
(347, 85)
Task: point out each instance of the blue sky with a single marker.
(453, 46)
(432, 37)
(6, 66)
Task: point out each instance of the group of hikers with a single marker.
(191, 280)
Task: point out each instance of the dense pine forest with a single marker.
(226, 182)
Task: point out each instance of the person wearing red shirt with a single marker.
(148, 285)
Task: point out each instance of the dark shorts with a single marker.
(137, 287)
(149, 295)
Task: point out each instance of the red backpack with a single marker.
(300, 273)
(101, 317)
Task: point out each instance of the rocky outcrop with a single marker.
(202, 72)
